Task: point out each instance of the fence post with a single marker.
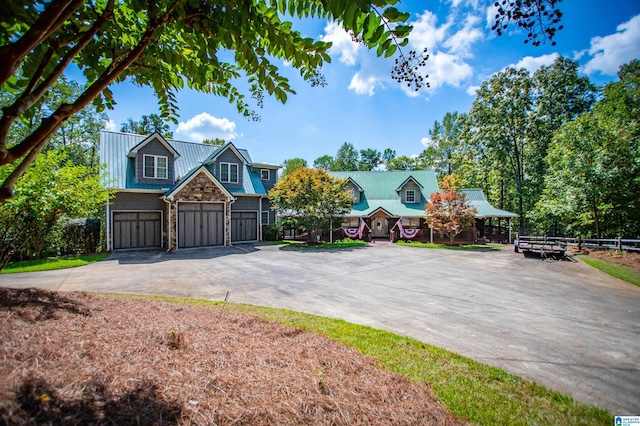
(579, 243)
(619, 243)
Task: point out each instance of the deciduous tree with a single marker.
(170, 44)
(312, 196)
(51, 189)
(449, 212)
(292, 164)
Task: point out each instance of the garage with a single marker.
(200, 224)
(133, 230)
(244, 226)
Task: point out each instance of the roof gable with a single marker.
(409, 179)
(190, 176)
(153, 137)
(228, 146)
(349, 179)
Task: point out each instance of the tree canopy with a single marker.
(448, 211)
(312, 196)
(202, 44)
(147, 125)
(292, 164)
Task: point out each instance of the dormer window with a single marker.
(410, 196)
(155, 167)
(228, 172)
(264, 174)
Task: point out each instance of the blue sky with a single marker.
(363, 106)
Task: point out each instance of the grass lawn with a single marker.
(53, 263)
(346, 243)
(473, 391)
(419, 244)
(625, 273)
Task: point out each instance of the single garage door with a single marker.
(200, 224)
(244, 226)
(137, 230)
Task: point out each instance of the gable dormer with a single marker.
(154, 161)
(355, 190)
(410, 191)
(228, 166)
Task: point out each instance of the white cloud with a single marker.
(533, 64)
(426, 142)
(461, 42)
(343, 44)
(611, 51)
(205, 126)
(363, 85)
(109, 125)
(492, 11)
(472, 90)
(426, 33)
(445, 68)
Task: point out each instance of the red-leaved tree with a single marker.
(449, 212)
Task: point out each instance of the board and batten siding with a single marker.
(246, 203)
(154, 147)
(228, 156)
(411, 185)
(137, 201)
(354, 191)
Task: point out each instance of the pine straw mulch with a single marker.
(75, 358)
(626, 258)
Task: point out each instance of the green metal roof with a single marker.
(380, 191)
(477, 199)
(115, 147)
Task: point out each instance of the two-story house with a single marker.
(173, 194)
(381, 198)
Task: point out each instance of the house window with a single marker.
(410, 196)
(155, 167)
(265, 218)
(264, 174)
(229, 172)
(411, 222)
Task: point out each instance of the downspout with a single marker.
(260, 224)
(510, 229)
(431, 235)
(168, 223)
(108, 226)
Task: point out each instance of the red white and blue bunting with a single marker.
(354, 233)
(406, 234)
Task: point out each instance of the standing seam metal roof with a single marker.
(115, 146)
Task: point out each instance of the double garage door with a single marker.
(199, 225)
(137, 230)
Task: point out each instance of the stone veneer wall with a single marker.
(201, 188)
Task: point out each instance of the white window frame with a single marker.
(156, 166)
(229, 174)
(413, 196)
(263, 216)
(262, 174)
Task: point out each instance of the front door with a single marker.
(380, 227)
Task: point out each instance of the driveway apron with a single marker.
(562, 324)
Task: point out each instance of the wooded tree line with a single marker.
(550, 146)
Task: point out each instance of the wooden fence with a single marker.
(593, 243)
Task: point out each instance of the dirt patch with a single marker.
(74, 358)
(625, 258)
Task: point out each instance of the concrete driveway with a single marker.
(561, 323)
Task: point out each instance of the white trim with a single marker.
(406, 196)
(224, 218)
(169, 224)
(229, 172)
(155, 135)
(155, 166)
(223, 149)
(209, 175)
(139, 211)
(268, 174)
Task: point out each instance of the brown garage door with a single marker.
(244, 226)
(200, 224)
(137, 230)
